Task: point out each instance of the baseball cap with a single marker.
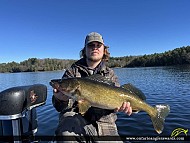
(94, 36)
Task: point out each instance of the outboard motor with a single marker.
(18, 117)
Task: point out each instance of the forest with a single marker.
(178, 56)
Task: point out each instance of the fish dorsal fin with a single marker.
(100, 78)
(134, 90)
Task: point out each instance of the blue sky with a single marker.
(57, 28)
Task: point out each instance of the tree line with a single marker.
(178, 56)
(34, 64)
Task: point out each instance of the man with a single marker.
(95, 122)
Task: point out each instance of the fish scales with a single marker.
(109, 96)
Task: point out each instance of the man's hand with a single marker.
(125, 107)
(60, 95)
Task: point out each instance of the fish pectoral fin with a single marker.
(83, 106)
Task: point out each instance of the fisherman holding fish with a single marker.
(95, 121)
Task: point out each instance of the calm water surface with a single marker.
(161, 85)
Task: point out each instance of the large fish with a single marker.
(98, 91)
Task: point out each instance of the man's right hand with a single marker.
(60, 95)
(125, 107)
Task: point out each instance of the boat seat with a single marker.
(16, 100)
(18, 116)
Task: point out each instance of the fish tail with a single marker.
(158, 118)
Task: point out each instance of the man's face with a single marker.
(94, 51)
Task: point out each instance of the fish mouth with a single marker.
(54, 85)
(57, 86)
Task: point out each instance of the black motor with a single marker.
(18, 117)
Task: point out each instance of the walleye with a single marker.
(98, 91)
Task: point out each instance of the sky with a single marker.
(57, 28)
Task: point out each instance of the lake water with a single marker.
(161, 85)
